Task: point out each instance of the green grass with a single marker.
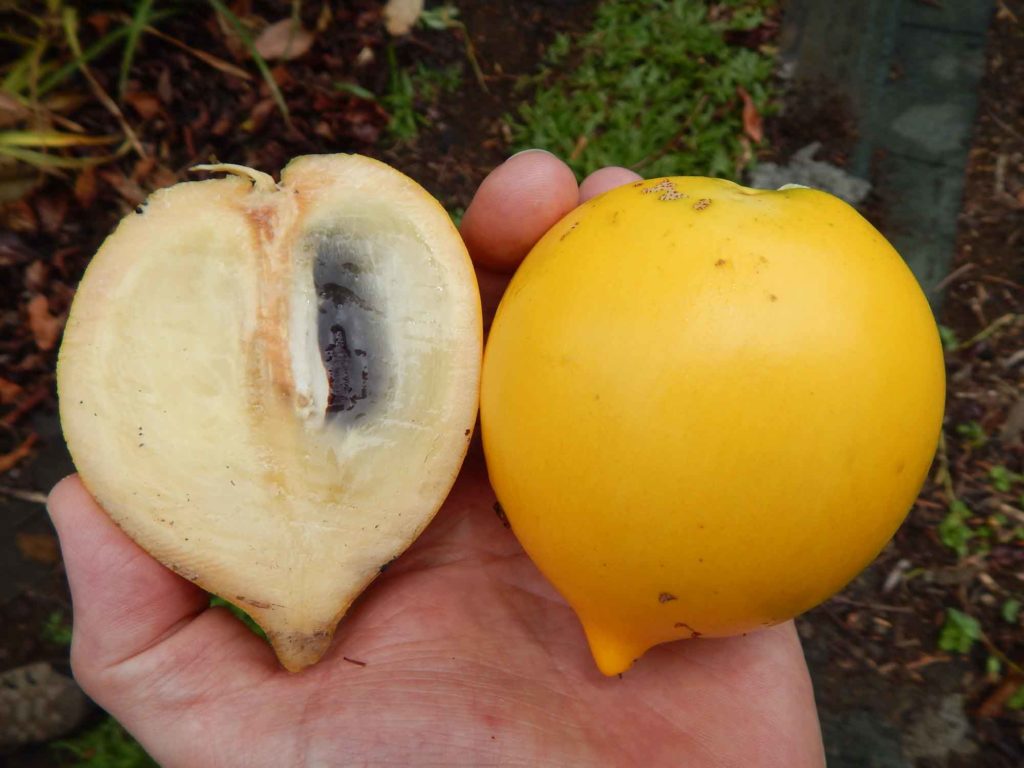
(653, 86)
(412, 90)
(106, 745)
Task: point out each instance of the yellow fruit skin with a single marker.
(706, 408)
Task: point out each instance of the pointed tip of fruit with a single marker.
(297, 650)
(612, 653)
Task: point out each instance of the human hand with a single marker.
(460, 654)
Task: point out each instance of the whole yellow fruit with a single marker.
(706, 408)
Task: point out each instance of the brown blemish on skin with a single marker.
(569, 230)
(701, 204)
(673, 195)
(694, 634)
(500, 512)
(665, 597)
(665, 187)
(253, 603)
(721, 263)
(772, 297)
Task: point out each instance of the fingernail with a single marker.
(528, 151)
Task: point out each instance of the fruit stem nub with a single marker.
(262, 182)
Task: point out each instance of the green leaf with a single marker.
(947, 336)
(139, 21)
(356, 90)
(1011, 610)
(239, 613)
(1016, 701)
(993, 667)
(959, 632)
(57, 630)
(973, 432)
(953, 530)
(1003, 479)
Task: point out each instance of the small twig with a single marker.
(881, 607)
(1005, 125)
(989, 330)
(34, 497)
(956, 273)
(995, 651)
(208, 58)
(30, 401)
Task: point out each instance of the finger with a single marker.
(602, 180)
(517, 203)
(132, 616)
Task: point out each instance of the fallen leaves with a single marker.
(11, 458)
(400, 16)
(753, 125)
(38, 547)
(9, 391)
(283, 41)
(45, 326)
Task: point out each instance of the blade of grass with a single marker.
(53, 80)
(51, 139)
(139, 21)
(208, 58)
(69, 19)
(261, 64)
(43, 161)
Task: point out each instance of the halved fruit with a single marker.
(271, 387)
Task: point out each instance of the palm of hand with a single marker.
(460, 654)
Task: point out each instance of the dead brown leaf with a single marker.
(35, 276)
(85, 187)
(38, 547)
(9, 391)
(400, 16)
(283, 41)
(18, 216)
(753, 126)
(147, 105)
(10, 459)
(128, 189)
(45, 327)
(52, 209)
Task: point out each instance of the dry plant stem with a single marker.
(70, 20)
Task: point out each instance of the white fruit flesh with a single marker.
(194, 396)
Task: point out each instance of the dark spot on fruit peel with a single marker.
(694, 634)
(387, 565)
(665, 597)
(500, 512)
(701, 204)
(772, 297)
(721, 263)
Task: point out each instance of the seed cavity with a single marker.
(350, 327)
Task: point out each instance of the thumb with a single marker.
(138, 628)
